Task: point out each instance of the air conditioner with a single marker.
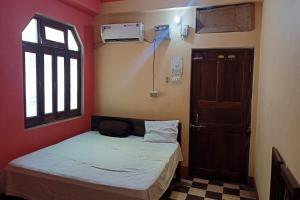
(122, 32)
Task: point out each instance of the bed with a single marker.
(92, 166)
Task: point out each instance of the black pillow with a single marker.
(114, 128)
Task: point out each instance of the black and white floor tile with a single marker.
(201, 189)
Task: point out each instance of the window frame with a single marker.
(55, 25)
(55, 49)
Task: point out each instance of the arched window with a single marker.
(52, 71)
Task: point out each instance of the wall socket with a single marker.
(154, 93)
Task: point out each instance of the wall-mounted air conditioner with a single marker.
(122, 32)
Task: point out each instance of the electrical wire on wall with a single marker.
(153, 66)
(153, 93)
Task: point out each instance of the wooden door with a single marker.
(220, 113)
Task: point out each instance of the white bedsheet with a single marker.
(114, 168)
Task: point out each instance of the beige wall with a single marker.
(123, 74)
(279, 90)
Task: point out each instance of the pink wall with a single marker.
(14, 15)
(90, 6)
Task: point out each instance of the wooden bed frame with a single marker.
(284, 186)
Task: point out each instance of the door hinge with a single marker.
(221, 56)
(198, 58)
(197, 126)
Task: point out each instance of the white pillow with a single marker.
(161, 131)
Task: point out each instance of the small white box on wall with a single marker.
(176, 68)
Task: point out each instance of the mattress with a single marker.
(91, 166)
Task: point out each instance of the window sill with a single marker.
(53, 123)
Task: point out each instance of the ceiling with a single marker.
(103, 1)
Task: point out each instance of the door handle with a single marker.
(197, 126)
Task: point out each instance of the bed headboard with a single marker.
(138, 125)
(284, 186)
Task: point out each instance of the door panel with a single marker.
(220, 113)
(208, 82)
(231, 79)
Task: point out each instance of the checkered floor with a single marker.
(201, 189)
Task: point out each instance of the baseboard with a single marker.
(184, 172)
(252, 183)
